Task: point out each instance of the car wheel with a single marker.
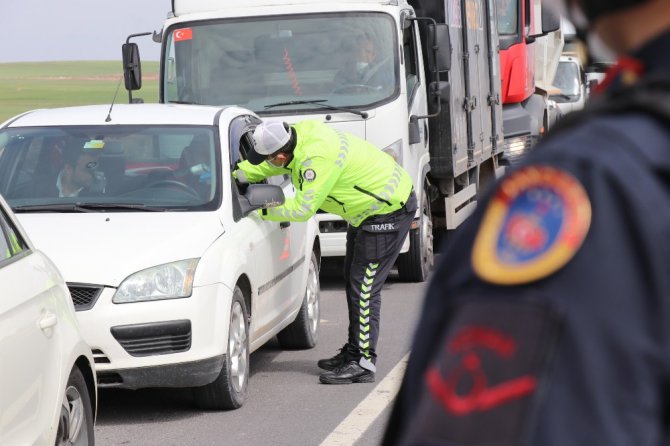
(75, 425)
(304, 330)
(416, 264)
(229, 390)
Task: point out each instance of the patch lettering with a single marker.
(382, 227)
(532, 227)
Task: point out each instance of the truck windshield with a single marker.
(344, 60)
(109, 168)
(508, 16)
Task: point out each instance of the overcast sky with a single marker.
(48, 30)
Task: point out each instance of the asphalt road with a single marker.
(286, 404)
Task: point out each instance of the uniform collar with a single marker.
(650, 58)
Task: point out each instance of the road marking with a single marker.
(367, 411)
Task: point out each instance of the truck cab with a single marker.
(570, 80)
(392, 73)
(530, 45)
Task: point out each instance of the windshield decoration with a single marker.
(183, 34)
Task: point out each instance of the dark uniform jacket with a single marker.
(547, 321)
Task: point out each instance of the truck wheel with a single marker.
(304, 330)
(415, 264)
(229, 390)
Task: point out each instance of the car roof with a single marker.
(133, 114)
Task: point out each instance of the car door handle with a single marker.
(49, 320)
(284, 224)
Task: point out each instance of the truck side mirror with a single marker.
(132, 68)
(439, 33)
(551, 20)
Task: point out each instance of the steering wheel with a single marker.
(177, 184)
(352, 88)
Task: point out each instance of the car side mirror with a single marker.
(261, 196)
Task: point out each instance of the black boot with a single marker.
(348, 373)
(336, 361)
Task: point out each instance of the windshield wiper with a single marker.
(54, 207)
(320, 103)
(182, 102)
(86, 207)
(121, 206)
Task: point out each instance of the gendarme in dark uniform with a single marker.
(548, 319)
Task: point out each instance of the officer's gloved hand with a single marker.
(240, 177)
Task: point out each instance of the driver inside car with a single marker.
(79, 175)
(195, 166)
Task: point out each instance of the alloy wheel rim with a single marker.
(237, 347)
(312, 295)
(72, 418)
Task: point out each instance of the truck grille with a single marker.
(83, 295)
(156, 338)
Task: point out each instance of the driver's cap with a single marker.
(269, 137)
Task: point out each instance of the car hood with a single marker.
(105, 248)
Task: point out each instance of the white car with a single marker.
(47, 379)
(175, 276)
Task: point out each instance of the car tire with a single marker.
(416, 264)
(229, 390)
(75, 424)
(303, 332)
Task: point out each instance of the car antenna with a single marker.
(109, 113)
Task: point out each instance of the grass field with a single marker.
(27, 86)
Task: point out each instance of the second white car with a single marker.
(175, 277)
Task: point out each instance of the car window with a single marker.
(168, 167)
(11, 242)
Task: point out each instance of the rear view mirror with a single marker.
(551, 20)
(261, 196)
(440, 32)
(132, 69)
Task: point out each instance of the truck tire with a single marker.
(229, 389)
(416, 264)
(304, 330)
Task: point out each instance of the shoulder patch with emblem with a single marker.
(309, 175)
(532, 227)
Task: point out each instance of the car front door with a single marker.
(29, 340)
(273, 246)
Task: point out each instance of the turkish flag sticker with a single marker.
(482, 387)
(183, 34)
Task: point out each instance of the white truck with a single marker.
(430, 98)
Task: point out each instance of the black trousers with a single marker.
(372, 249)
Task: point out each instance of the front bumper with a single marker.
(187, 374)
(171, 343)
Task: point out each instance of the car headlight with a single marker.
(169, 281)
(395, 150)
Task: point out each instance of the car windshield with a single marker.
(286, 63)
(109, 168)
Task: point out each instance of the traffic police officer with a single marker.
(546, 322)
(347, 176)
